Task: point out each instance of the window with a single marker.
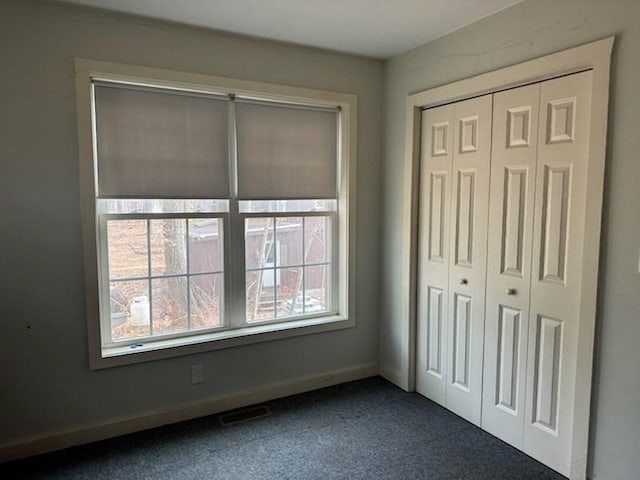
(213, 215)
(288, 266)
(164, 276)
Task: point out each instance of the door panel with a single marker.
(454, 172)
(437, 215)
(514, 202)
(546, 373)
(559, 218)
(469, 211)
(461, 330)
(433, 251)
(513, 166)
(555, 204)
(434, 332)
(507, 368)
(464, 218)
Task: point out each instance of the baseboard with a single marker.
(156, 418)
(394, 376)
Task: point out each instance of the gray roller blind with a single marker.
(286, 152)
(159, 144)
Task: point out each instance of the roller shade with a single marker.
(160, 144)
(286, 152)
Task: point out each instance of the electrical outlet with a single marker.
(197, 373)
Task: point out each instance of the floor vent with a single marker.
(244, 415)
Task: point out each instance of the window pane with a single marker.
(317, 291)
(289, 292)
(127, 240)
(258, 241)
(275, 277)
(161, 205)
(168, 247)
(260, 294)
(289, 241)
(206, 300)
(248, 206)
(205, 245)
(317, 234)
(169, 299)
(129, 309)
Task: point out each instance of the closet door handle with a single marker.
(511, 291)
(464, 281)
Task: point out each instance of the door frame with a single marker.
(595, 56)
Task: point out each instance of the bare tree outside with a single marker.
(151, 257)
(275, 282)
(169, 295)
(256, 255)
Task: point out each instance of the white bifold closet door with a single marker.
(540, 145)
(513, 180)
(456, 150)
(502, 211)
(556, 269)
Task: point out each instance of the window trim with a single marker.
(87, 70)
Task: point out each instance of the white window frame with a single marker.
(343, 261)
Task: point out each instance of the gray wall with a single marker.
(525, 31)
(45, 382)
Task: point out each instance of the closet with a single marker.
(502, 209)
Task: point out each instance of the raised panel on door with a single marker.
(513, 167)
(559, 216)
(433, 251)
(468, 233)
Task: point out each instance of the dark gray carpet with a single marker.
(367, 429)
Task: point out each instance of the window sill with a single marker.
(116, 356)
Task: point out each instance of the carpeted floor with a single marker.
(367, 429)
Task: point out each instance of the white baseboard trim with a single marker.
(394, 376)
(156, 418)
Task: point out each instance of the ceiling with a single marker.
(374, 28)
